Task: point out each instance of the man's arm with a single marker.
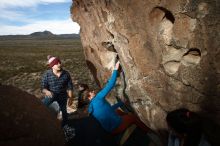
(44, 86)
(70, 96)
(70, 91)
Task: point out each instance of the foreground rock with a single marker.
(24, 121)
(169, 52)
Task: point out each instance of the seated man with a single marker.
(57, 86)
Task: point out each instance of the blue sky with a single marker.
(28, 16)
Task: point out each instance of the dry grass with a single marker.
(27, 57)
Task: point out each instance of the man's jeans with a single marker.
(62, 101)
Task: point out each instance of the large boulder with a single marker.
(169, 53)
(25, 121)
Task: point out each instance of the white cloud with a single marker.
(7, 14)
(55, 26)
(27, 3)
(11, 15)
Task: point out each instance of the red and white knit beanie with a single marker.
(52, 60)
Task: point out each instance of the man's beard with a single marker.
(59, 68)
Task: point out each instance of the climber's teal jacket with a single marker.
(100, 108)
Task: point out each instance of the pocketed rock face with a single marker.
(24, 121)
(169, 52)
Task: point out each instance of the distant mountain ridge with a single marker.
(44, 33)
(40, 35)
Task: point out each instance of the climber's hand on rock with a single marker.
(125, 101)
(117, 65)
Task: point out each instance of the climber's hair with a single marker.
(186, 123)
(84, 86)
(90, 90)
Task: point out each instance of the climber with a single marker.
(185, 128)
(111, 119)
(57, 86)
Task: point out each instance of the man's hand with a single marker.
(70, 101)
(48, 93)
